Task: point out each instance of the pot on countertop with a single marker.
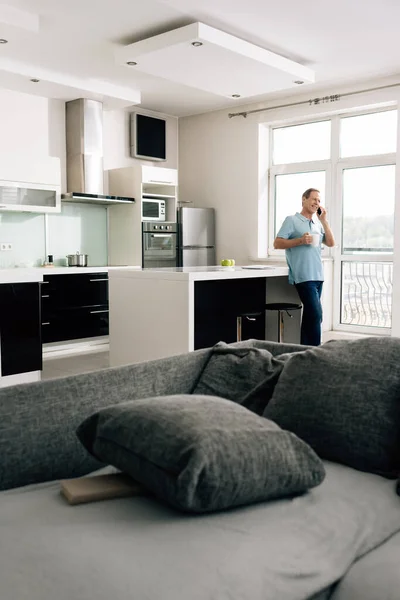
(77, 260)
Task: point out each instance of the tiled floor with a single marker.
(73, 365)
(86, 362)
(339, 335)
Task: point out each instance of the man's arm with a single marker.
(283, 244)
(329, 239)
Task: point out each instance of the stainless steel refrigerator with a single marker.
(196, 237)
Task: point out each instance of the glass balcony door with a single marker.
(364, 256)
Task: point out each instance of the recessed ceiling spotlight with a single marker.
(131, 63)
(298, 82)
(35, 80)
(197, 44)
(235, 95)
(3, 41)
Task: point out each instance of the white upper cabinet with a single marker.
(28, 185)
(29, 197)
(159, 175)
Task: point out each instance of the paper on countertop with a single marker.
(258, 267)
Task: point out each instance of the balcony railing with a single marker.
(367, 294)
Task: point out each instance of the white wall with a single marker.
(31, 127)
(396, 261)
(218, 167)
(223, 163)
(24, 124)
(220, 164)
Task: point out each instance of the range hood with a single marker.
(84, 139)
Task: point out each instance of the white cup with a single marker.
(315, 239)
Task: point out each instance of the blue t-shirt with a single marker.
(304, 261)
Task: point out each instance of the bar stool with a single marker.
(239, 322)
(282, 307)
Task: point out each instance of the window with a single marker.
(302, 143)
(365, 135)
(289, 190)
(351, 160)
(368, 209)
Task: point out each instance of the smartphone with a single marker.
(319, 211)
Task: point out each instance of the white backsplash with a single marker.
(26, 233)
(79, 227)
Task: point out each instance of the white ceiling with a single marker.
(71, 45)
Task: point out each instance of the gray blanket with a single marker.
(139, 549)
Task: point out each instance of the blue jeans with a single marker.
(310, 296)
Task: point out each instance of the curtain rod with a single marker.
(311, 101)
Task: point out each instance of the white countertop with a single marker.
(28, 274)
(20, 274)
(201, 273)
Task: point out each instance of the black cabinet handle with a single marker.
(95, 312)
(46, 296)
(105, 279)
(46, 323)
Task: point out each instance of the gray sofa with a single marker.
(337, 541)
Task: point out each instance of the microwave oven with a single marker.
(153, 210)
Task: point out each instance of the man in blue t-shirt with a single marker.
(301, 236)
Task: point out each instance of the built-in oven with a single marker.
(159, 244)
(153, 209)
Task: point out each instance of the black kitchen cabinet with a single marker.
(74, 306)
(20, 330)
(219, 303)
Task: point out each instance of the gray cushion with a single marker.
(343, 398)
(242, 373)
(201, 453)
(38, 420)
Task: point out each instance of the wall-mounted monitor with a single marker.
(148, 137)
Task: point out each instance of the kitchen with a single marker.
(107, 231)
(37, 126)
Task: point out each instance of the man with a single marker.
(301, 236)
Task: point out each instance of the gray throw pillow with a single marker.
(201, 453)
(343, 398)
(244, 374)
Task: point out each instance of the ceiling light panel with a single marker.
(220, 64)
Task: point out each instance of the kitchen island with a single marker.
(155, 313)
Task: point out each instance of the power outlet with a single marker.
(5, 246)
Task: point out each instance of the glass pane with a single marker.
(301, 143)
(32, 197)
(368, 209)
(26, 233)
(368, 134)
(367, 294)
(11, 195)
(78, 228)
(289, 190)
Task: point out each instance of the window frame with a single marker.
(333, 201)
(321, 119)
(293, 169)
(348, 163)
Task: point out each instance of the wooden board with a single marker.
(100, 487)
